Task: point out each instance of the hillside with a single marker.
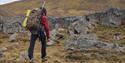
(83, 41)
(66, 7)
(5, 12)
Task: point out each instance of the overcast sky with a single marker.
(6, 1)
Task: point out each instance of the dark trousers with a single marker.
(42, 38)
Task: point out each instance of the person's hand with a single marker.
(47, 40)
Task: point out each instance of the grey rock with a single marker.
(24, 56)
(1, 55)
(12, 24)
(112, 17)
(13, 37)
(3, 49)
(51, 42)
(80, 42)
(84, 42)
(103, 45)
(53, 34)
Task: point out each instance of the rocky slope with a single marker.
(81, 44)
(112, 18)
(83, 40)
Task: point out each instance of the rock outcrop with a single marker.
(112, 18)
(79, 26)
(81, 39)
(79, 29)
(11, 24)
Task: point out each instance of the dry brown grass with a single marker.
(66, 7)
(56, 53)
(106, 33)
(60, 8)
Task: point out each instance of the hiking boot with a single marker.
(31, 61)
(44, 59)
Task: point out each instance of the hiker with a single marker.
(38, 32)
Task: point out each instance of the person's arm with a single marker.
(46, 26)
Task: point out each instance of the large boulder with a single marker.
(62, 21)
(13, 37)
(112, 18)
(11, 24)
(84, 42)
